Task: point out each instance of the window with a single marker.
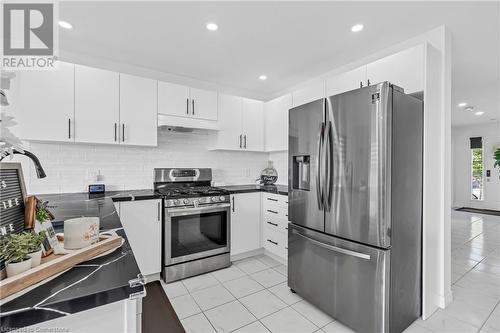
(476, 148)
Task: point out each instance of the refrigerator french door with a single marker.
(355, 188)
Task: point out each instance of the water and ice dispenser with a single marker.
(301, 173)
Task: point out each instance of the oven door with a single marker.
(196, 232)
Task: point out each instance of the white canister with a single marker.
(81, 232)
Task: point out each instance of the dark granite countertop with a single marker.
(94, 283)
(277, 189)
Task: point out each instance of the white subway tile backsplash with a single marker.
(71, 167)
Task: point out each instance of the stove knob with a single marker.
(215, 199)
(176, 202)
(186, 201)
(221, 198)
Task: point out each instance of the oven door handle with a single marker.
(191, 210)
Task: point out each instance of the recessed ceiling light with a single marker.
(212, 26)
(469, 109)
(357, 28)
(263, 77)
(462, 104)
(479, 113)
(65, 25)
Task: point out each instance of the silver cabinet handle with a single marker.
(233, 204)
(240, 142)
(187, 105)
(115, 130)
(271, 223)
(368, 83)
(192, 109)
(123, 132)
(272, 211)
(336, 249)
(69, 128)
(361, 84)
(271, 199)
(159, 212)
(245, 138)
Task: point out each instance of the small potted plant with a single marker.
(14, 250)
(34, 246)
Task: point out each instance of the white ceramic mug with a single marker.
(81, 232)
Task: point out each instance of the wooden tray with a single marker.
(55, 263)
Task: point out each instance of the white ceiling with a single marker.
(290, 42)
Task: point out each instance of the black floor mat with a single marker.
(158, 315)
(479, 211)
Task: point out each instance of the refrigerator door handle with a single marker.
(319, 178)
(335, 248)
(328, 169)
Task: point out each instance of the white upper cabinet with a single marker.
(253, 125)
(42, 104)
(97, 109)
(276, 123)
(181, 101)
(241, 124)
(138, 110)
(309, 93)
(203, 104)
(346, 81)
(404, 69)
(173, 99)
(229, 122)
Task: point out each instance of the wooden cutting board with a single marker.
(54, 264)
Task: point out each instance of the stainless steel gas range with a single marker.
(196, 229)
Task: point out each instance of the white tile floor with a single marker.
(252, 294)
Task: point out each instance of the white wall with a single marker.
(69, 166)
(462, 166)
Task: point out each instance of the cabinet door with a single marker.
(173, 99)
(203, 104)
(96, 105)
(245, 222)
(142, 223)
(229, 123)
(312, 92)
(42, 104)
(346, 81)
(138, 110)
(404, 69)
(276, 123)
(253, 125)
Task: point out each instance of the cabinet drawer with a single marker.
(276, 212)
(274, 200)
(274, 242)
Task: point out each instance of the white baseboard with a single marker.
(279, 259)
(247, 254)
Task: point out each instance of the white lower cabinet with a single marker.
(142, 223)
(245, 222)
(275, 224)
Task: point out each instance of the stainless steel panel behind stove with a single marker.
(197, 223)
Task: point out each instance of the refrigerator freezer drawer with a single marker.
(347, 280)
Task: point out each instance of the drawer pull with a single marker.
(270, 241)
(271, 199)
(271, 223)
(272, 211)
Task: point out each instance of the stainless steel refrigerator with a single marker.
(355, 203)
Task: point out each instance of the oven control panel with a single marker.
(196, 201)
